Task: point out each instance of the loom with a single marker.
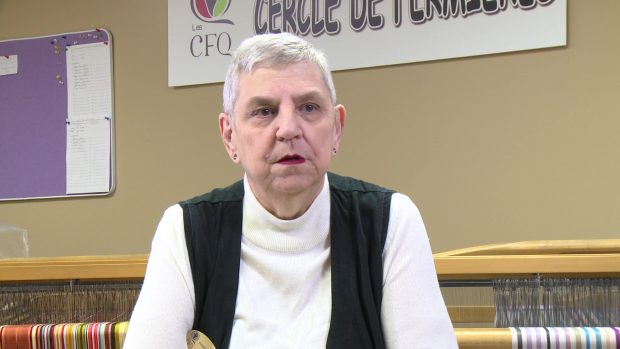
(534, 292)
(498, 296)
(68, 302)
(69, 289)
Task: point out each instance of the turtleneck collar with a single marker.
(266, 231)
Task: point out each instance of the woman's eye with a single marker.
(308, 108)
(262, 112)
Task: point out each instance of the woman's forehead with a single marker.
(302, 80)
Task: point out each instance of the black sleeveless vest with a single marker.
(359, 220)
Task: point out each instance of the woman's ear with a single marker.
(226, 132)
(339, 119)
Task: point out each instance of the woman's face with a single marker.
(285, 130)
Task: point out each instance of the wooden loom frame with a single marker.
(583, 258)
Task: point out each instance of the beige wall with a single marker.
(497, 148)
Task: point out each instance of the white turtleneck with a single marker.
(284, 296)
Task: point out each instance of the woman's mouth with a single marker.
(291, 159)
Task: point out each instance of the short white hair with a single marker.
(272, 50)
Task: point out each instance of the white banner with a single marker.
(202, 34)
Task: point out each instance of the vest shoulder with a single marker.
(232, 193)
(344, 183)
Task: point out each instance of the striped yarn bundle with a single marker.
(565, 337)
(102, 335)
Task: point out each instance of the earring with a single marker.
(334, 151)
(234, 157)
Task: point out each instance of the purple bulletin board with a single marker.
(33, 115)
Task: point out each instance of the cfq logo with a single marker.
(210, 10)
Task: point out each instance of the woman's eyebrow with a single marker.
(260, 101)
(269, 101)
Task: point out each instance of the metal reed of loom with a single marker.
(69, 289)
(72, 301)
(566, 283)
(557, 302)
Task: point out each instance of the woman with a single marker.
(292, 256)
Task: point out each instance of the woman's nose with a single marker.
(288, 126)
